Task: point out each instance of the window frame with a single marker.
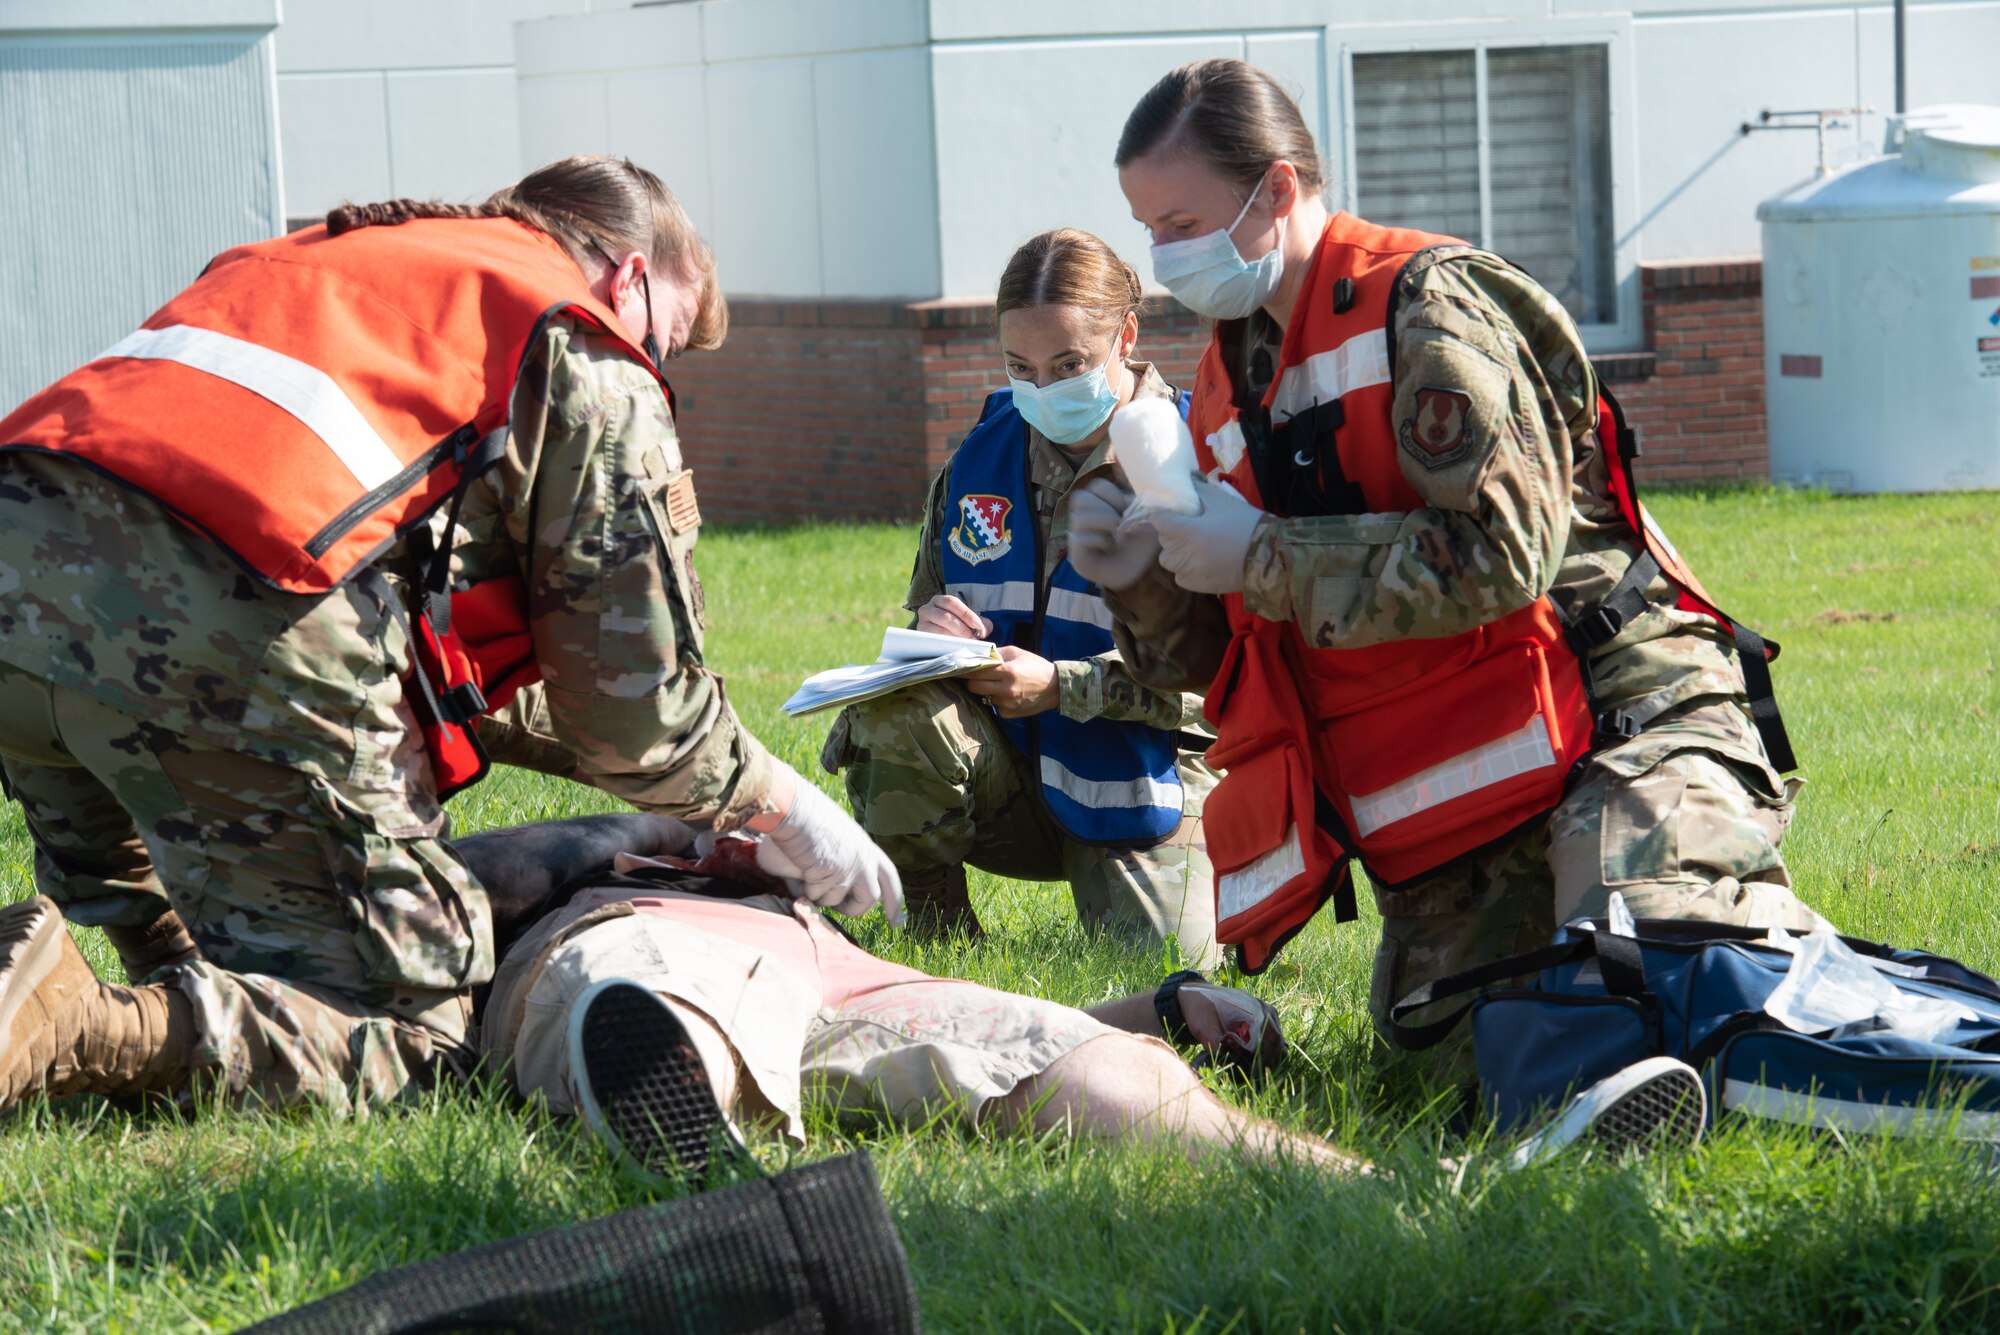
(1614, 33)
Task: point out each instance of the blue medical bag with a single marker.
(1596, 1002)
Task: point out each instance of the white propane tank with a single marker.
(1882, 314)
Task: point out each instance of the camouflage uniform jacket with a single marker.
(1526, 511)
(1090, 688)
(103, 592)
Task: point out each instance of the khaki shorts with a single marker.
(800, 1004)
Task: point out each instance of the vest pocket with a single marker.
(1482, 747)
(1266, 846)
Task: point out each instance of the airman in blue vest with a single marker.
(1056, 765)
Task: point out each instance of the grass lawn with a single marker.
(1890, 616)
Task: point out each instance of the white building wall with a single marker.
(900, 148)
(1026, 132)
(141, 139)
(798, 133)
(1031, 96)
(387, 98)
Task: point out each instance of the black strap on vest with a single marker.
(1755, 654)
(1600, 622)
(1296, 463)
(462, 703)
(1327, 817)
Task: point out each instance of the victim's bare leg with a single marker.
(1119, 1085)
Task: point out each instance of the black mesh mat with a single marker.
(811, 1249)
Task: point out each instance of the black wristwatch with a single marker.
(1167, 1005)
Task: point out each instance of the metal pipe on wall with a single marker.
(1901, 9)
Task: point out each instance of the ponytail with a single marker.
(586, 204)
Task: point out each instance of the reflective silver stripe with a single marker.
(1894, 1119)
(1087, 608)
(1016, 595)
(306, 392)
(1524, 750)
(1323, 377)
(1227, 445)
(1109, 794)
(1247, 887)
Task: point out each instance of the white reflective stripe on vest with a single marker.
(1085, 608)
(1109, 794)
(1323, 377)
(1894, 1119)
(1247, 887)
(1015, 595)
(1519, 752)
(306, 392)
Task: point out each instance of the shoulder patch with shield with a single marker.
(982, 531)
(1438, 430)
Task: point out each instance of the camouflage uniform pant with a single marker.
(935, 782)
(339, 937)
(1694, 835)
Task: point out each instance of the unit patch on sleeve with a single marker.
(1437, 432)
(982, 533)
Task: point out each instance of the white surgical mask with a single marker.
(1068, 410)
(1209, 276)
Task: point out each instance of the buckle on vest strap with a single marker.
(1615, 725)
(1598, 625)
(463, 702)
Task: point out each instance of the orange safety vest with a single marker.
(1412, 753)
(310, 400)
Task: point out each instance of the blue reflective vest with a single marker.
(1105, 782)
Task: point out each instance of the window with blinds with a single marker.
(1508, 147)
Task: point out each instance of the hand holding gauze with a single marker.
(1101, 547)
(1151, 442)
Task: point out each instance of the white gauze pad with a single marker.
(1152, 443)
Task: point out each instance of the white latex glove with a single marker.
(1236, 1027)
(1205, 551)
(825, 857)
(1100, 547)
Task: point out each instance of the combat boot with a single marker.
(157, 945)
(64, 1032)
(939, 905)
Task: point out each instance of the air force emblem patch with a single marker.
(1438, 432)
(982, 533)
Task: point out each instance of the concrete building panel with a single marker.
(773, 29)
(659, 119)
(561, 116)
(1027, 133)
(336, 135)
(453, 134)
(346, 35)
(765, 219)
(648, 37)
(1700, 177)
(878, 186)
(978, 20)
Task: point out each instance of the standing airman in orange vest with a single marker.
(1436, 631)
(273, 567)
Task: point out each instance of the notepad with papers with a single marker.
(908, 657)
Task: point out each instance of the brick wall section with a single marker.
(1697, 395)
(810, 410)
(840, 410)
(845, 410)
